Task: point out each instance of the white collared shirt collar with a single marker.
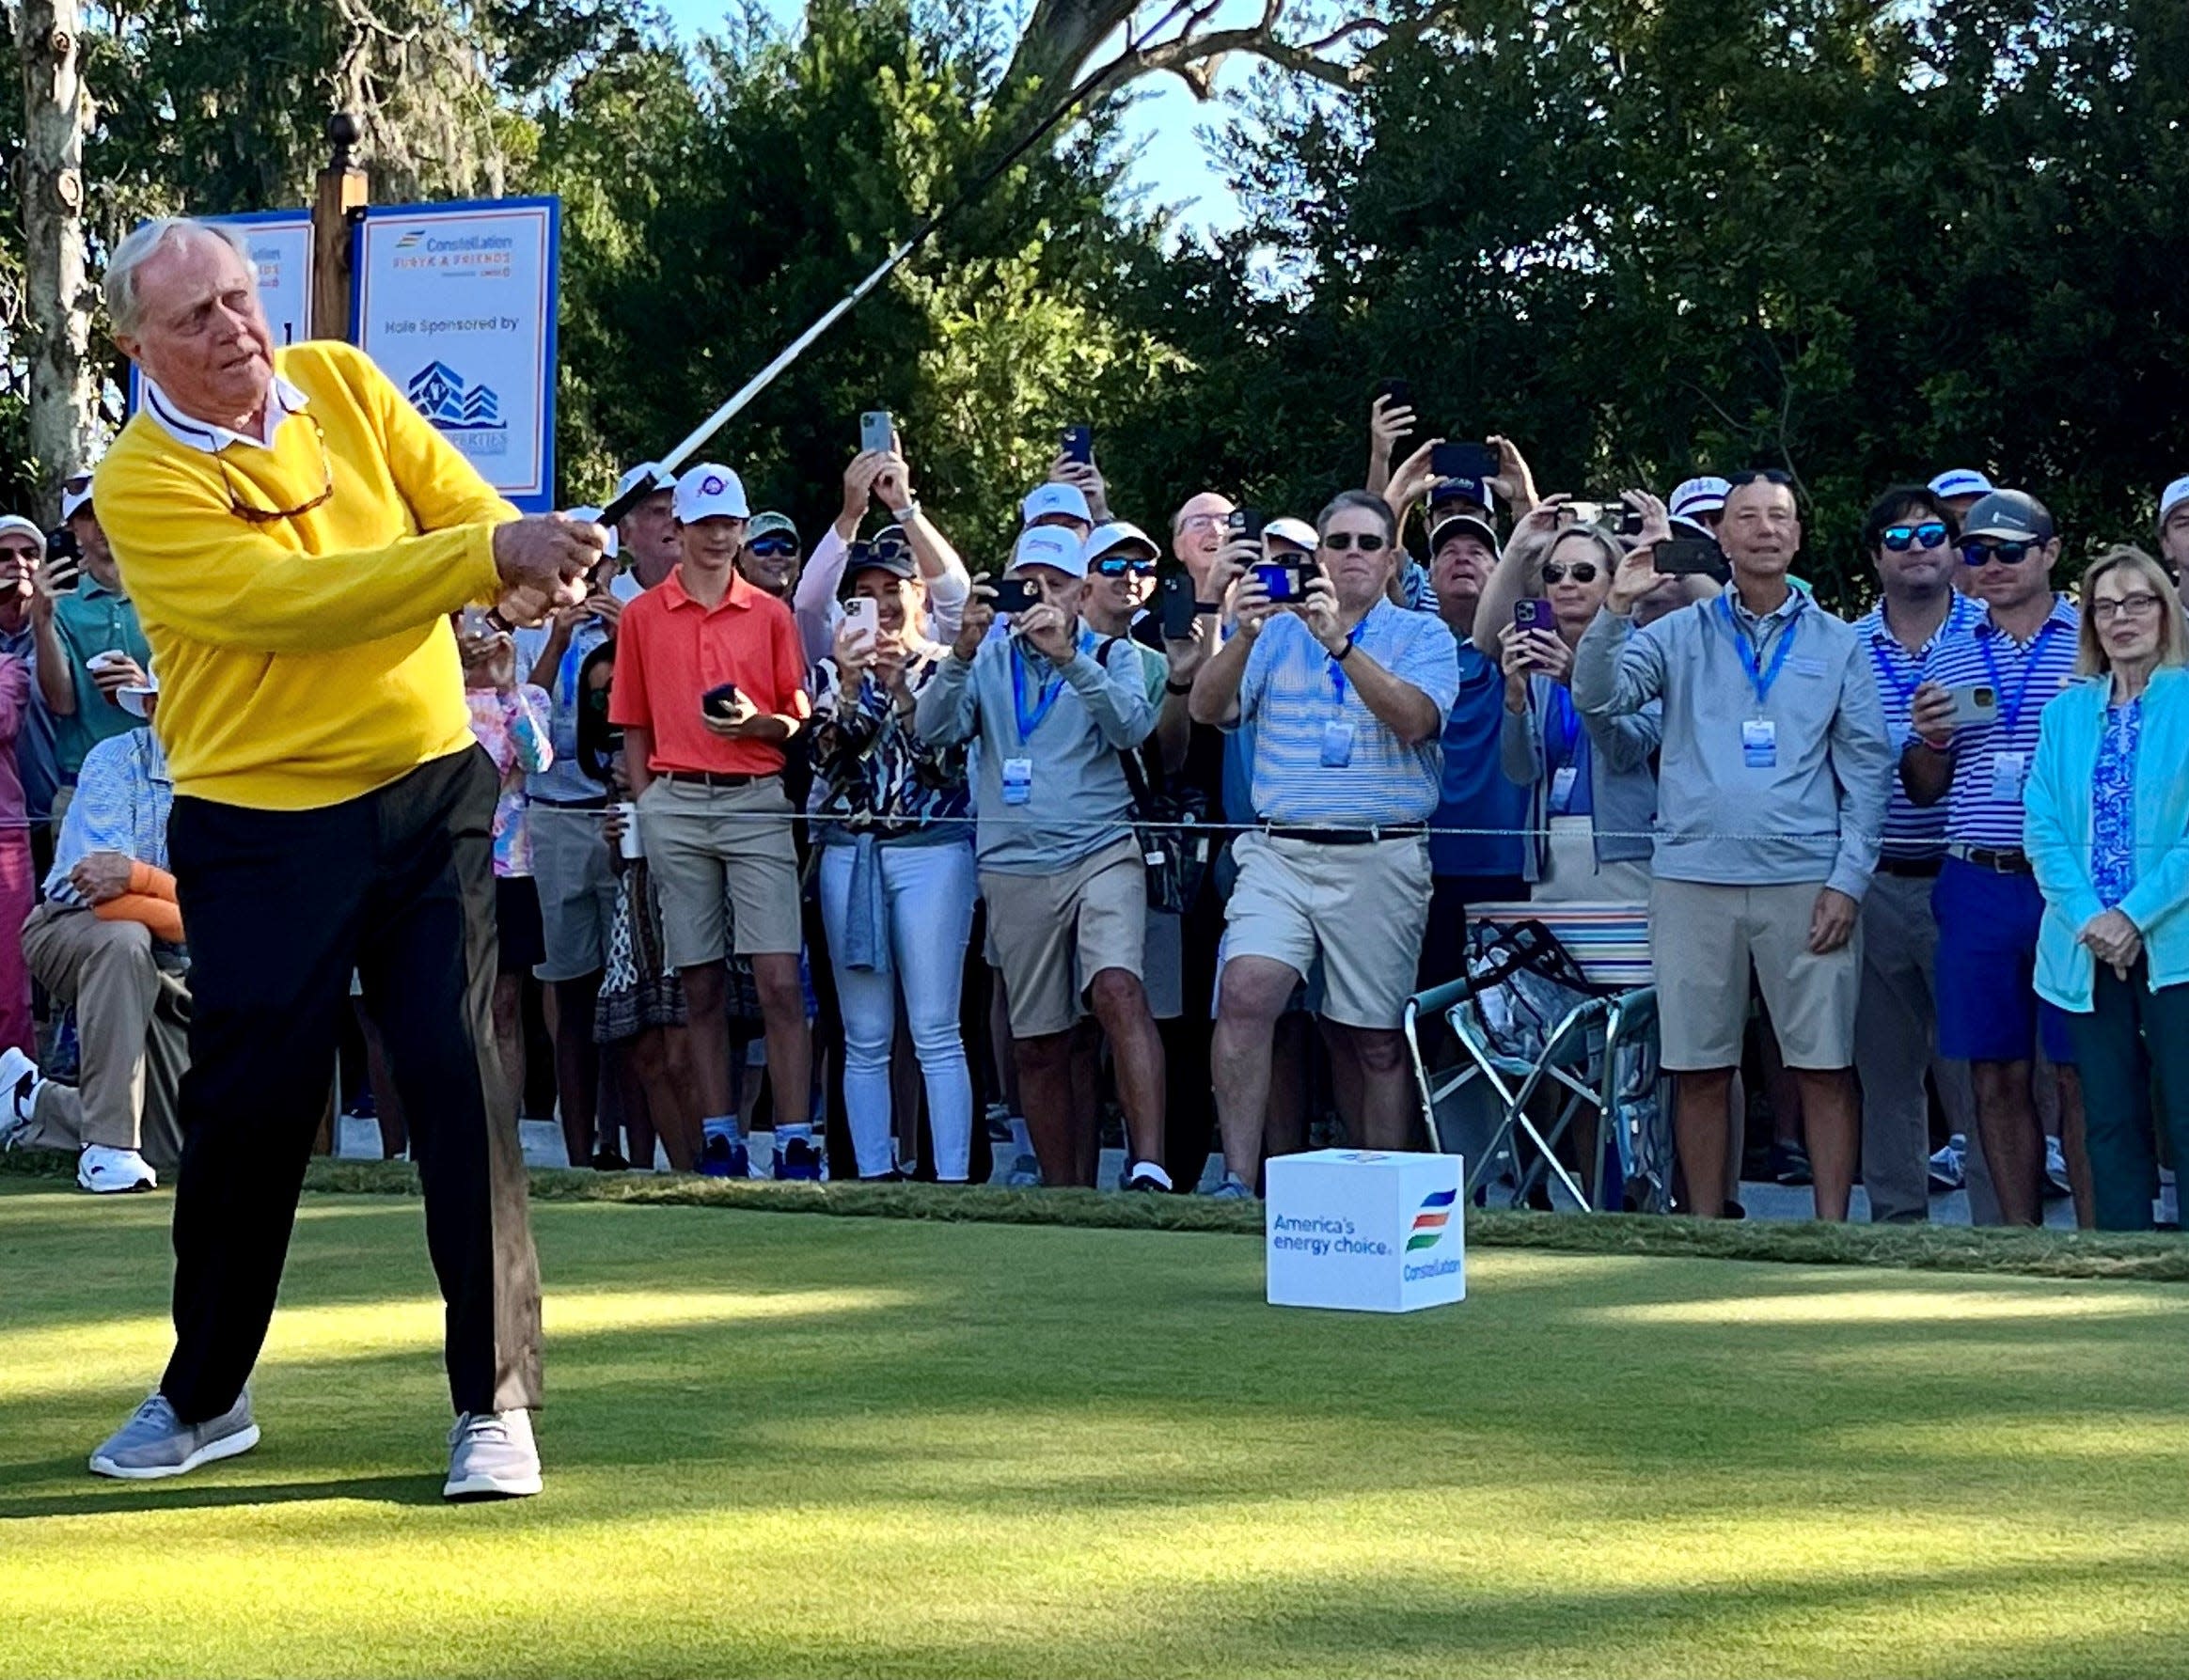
(199, 434)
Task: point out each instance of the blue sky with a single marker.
(1174, 162)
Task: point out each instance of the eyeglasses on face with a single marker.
(257, 515)
(1203, 522)
(1366, 542)
(1900, 538)
(1123, 566)
(2142, 604)
(1581, 572)
(2007, 553)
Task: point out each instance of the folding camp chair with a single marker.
(1477, 1077)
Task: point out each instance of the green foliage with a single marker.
(1863, 243)
(712, 219)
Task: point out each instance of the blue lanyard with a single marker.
(1761, 678)
(1903, 692)
(1561, 727)
(2010, 710)
(1051, 688)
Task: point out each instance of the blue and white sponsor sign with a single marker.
(1371, 1230)
(456, 302)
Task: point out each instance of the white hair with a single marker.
(124, 305)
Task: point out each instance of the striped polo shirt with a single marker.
(1912, 831)
(1294, 693)
(1992, 761)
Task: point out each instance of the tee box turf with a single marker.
(1365, 1230)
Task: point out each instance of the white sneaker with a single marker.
(18, 1083)
(492, 1457)
(112, 1171)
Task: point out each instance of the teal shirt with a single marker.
(2059, 822)
(88, 621)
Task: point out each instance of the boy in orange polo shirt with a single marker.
(709, 689)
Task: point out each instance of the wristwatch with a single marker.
(1170, 686)
(909, 511)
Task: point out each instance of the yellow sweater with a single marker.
(303, 661)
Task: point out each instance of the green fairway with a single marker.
(813, 1446)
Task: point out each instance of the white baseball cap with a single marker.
(1048, 546)
(74, 499)
(1961, 481)
(1704, 495)
(710, 491)
(645, 472)
(592, 516)
(2172, 497)
(1107, 538)
(131, 697)
(1296, 531)
(1049, 501)
(16, 523)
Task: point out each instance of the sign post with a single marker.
(340, 194)
(456, 302)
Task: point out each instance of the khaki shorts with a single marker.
(1702, 940)
(578, 890)
(1046, 930)
(1162, 964)
(719, 856)
(1361, 908)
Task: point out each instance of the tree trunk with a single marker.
(62, 417)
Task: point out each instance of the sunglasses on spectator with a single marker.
(1901, 538)
(1366, 542)
(256, 515)
(1581, 572)
(773, 547)
(2007, 553)
(2142, 604)
(1119, 565)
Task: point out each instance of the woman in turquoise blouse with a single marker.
(2107, 833)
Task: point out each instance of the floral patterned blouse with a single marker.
(512, 728)
(869, 763)
(2113, 806)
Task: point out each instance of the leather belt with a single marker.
(1999, 863)
(1351, 836)
(1920, 868)
(714, 778)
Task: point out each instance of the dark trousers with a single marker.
(280, 907)
(2132, 1031)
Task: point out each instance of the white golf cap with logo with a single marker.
(1695, 496)
(710, 490)
(1048, 546)
(1296, 531)
(2172, 497)
(1051, 501)
(1961, 481)
(1119, 536)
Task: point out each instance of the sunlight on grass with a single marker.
(1892, 1305)
(957, 1450)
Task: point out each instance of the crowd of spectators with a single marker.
(978, 853)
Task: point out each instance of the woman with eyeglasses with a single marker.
(1594, 781)
(897, 876)
(2107, 830)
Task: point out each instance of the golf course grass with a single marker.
(881, 1446)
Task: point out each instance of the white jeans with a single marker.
(929, 892)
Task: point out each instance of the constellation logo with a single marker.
(470, 413)
(411, 239)
(1430, 1222)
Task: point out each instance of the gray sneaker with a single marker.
(492, 1457)
(155, 1442)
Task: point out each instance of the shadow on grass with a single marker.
(97, 1497)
